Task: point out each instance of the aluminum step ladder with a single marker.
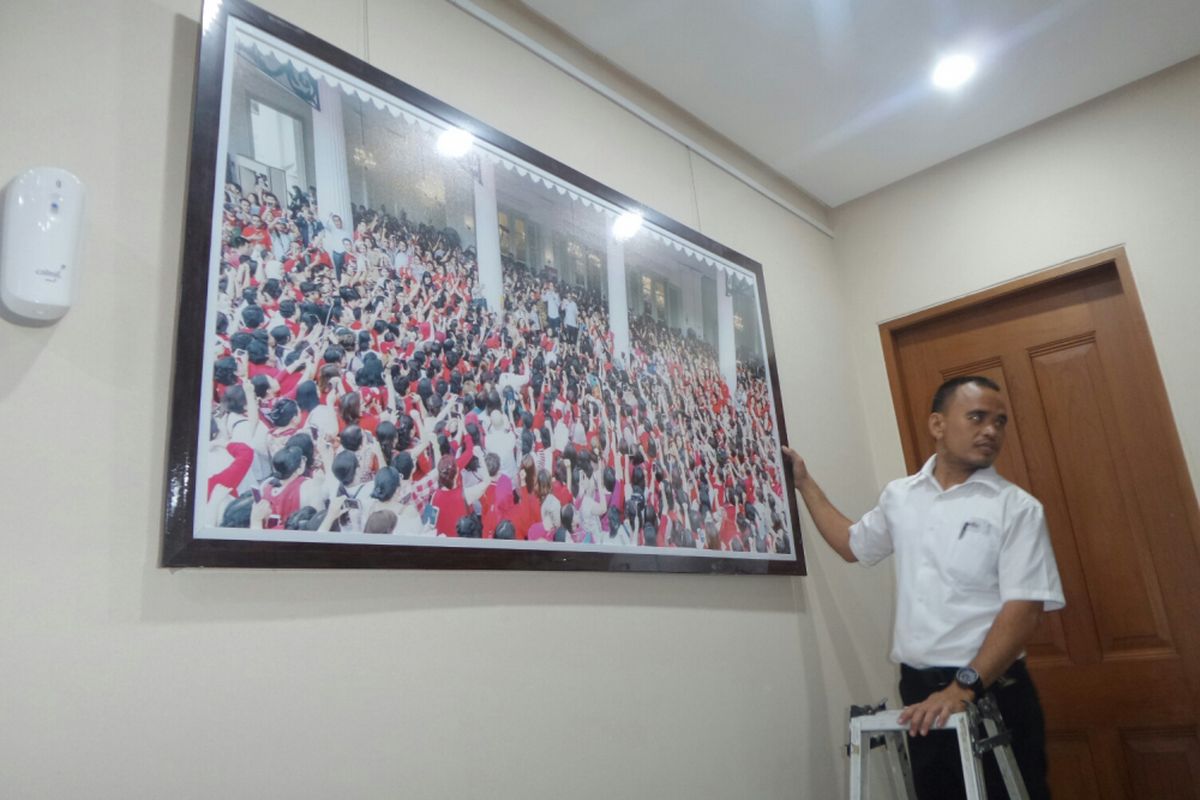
(979, 729)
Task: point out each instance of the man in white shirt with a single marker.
(337, 237)
(570, 317)
(974, 572)
(503, 442)
(550, 297)
(281, 239)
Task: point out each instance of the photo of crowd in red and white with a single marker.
(360, 383)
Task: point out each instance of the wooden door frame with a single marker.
(1156, 393)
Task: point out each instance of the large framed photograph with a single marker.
(407, 340)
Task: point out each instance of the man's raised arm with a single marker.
(833, 524)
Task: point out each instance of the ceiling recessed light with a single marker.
(455, 142)
(626, 225)
(953, 71)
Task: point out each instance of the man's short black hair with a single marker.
(947, 389)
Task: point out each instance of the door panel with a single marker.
(1091, 436)
(1164, 764)
(1072, 766)
(1071, 384)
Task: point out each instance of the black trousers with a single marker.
(937, 767)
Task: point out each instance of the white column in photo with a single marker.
(618, 299)
(487, 235)
(329, 152)
(726, 348)
(693, 307)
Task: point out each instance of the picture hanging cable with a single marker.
(695, 196)
(366, 33)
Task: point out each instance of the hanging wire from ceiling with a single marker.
(366, 33)
(695, 194)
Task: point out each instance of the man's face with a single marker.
(971, 429)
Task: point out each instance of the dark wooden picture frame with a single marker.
(409, 297)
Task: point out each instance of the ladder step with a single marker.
(970, 726)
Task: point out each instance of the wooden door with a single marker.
(1091, 435)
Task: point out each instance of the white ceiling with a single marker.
(835, 94)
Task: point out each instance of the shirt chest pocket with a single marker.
(973, 558)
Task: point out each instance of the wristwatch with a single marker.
(968, 678)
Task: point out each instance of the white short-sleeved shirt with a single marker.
(961, 553)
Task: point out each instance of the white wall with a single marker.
(125, 680)
(1123, 169)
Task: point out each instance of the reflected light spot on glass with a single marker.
(211, 10)
(626, 226)
(455, 143)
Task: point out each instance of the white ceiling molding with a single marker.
(552, 58)
(836, 96)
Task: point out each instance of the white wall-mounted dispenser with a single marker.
(39, 242)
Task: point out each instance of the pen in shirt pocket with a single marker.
(966, 525)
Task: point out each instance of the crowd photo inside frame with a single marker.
(408, 340)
